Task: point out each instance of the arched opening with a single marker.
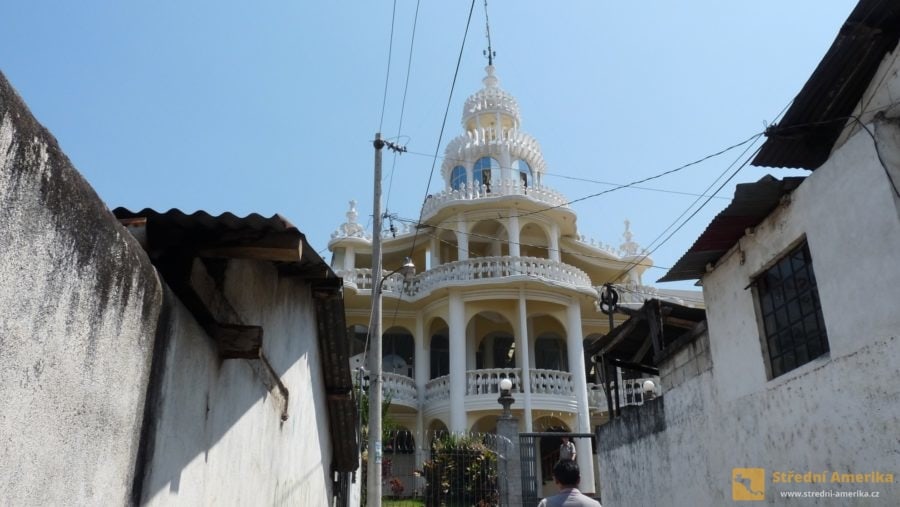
(549, 445)
(550, 353)
(485, 171)
(448, 247)
(437, 427)
(398, 352)
(439, 347)
(534, 241)
(495, 343)
(524, 170)
(486, 424)
(457, 177)
(356, 335)
(488, 238)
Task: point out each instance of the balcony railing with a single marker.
(502, 188)
(487, 381)
(476, 269)
(631, 392)
(400, 388)
(552, 382)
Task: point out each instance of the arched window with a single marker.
(457, 177)
(524, 172)
(357, 335)
(398, 352)
(550, 354)
(485, 168)
(440, 356)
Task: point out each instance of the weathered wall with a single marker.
(219, 437)
(840, 412)
(78, 309)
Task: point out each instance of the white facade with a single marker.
(839, 412)
(506, 289)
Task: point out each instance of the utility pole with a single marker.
(373, 488)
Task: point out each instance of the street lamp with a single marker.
(506, 398)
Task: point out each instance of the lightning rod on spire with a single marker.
(489, 53)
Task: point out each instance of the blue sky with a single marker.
(270, 107)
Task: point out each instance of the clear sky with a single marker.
(271, 106)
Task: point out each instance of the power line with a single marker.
(412, 44)
(662, 190)
(387, 74)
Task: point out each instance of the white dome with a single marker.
(490, 99)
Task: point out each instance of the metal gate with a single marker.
(444, 469)
(536, 466)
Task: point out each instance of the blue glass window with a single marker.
(457, 177)
(481, 173)
(524, 172)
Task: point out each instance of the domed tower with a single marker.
(493, 152)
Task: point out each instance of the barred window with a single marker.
(791, 313)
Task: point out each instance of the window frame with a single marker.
(790, 319)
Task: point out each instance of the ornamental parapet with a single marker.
(503, 188)
(479, 269)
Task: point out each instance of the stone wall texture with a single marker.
(79, 302)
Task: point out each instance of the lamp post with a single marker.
(506, 398)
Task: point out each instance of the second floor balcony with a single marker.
(549, 389)
(472, 272)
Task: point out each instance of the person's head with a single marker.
(565, 439)
(567, 474)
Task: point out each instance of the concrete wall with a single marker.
(78, 308)
(840, 412)
(110, 392)
(219, 437)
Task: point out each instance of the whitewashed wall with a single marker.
(840, 412)
(220, 439)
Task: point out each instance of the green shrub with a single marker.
(461, 471)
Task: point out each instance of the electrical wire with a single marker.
(387, 74)
(412, 44)
(662, 190)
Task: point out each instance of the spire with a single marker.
(489, 52)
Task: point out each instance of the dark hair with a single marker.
(567, 473)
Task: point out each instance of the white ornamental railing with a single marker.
(400, 388)
(630, 392)
(479, 268)
(487, 381)
(502, 188)
(552, 382)
(437, 389)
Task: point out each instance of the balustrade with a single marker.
(472, 191)
(552, 382)
(479, 268)
(487, 381)
(400, 388)
(437, 389)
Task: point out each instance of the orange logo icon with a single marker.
(748, 484)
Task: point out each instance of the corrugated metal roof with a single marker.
(273, 238)
(751, 204)
(806, 135)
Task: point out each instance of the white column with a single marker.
(462, 238)
(422, 373)
(457, 362)
(575, 346)
(349, 258)
(435, 253)
(554, 242)
(523, 353)
(513, 229)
